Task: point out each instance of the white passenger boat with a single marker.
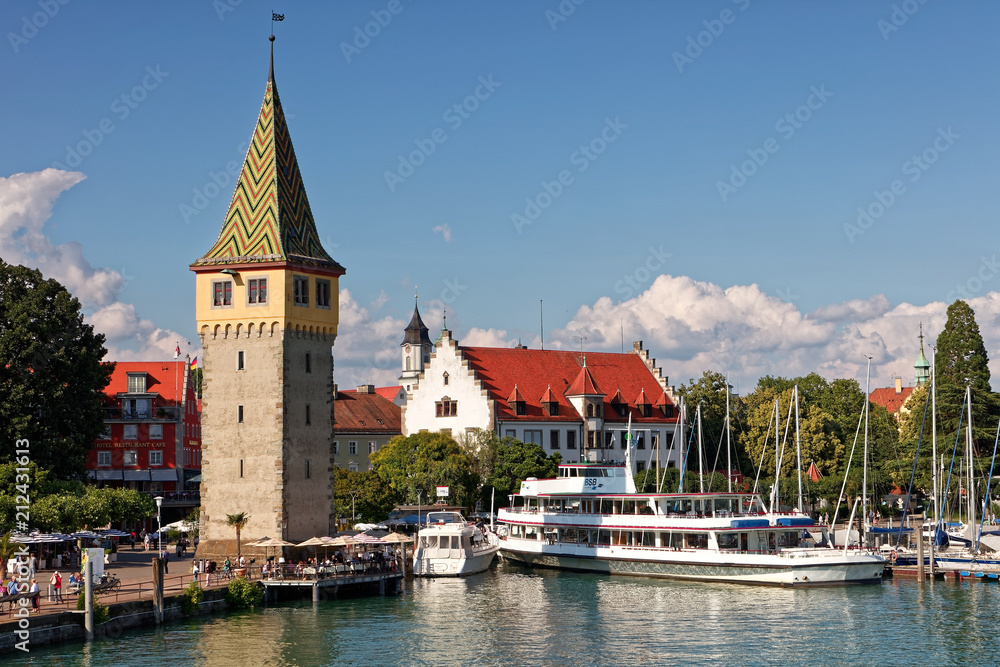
(591, 519)
(449, 546)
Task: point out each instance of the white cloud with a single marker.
(26, 202)
(367, 348)
(693, 326)
(445, 231)
(477, 337)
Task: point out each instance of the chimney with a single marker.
(366, 389)
(899, 385)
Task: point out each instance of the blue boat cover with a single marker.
(749, 523)
(877, 530)
(804, 521)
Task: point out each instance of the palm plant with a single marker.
(239, 522)
(7, 551)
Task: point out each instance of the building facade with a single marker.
(576, 404)
(267, 310)
(152, 437)
(365, 420)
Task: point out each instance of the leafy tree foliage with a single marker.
(51, 378)
(710, 392)
(516, 461)
(426, 460)
(961, 360)
(374, 498)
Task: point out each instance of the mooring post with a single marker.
(920, 555)
(316, 591)
(158, 589)
(88, 593)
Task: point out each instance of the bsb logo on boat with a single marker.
(590, 484)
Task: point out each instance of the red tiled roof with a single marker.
(388, 393)
(889, 399)
(641, 398)
(584, 384)
(165, 378)
(365, 413)
(539, 372)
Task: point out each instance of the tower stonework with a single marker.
(267, 312)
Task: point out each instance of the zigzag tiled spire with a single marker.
(269, 219)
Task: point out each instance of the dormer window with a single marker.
(517, 403)
(619, 404)
(550, 403)
(643, 404)
(136, 383)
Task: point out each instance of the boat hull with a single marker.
(763, 569)
(455, 567)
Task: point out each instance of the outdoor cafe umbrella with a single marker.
(268, 542)
(314, 542)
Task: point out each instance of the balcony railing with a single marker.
(154, 414)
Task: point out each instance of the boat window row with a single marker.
(680, 506)
(440, 541)
(745, 541)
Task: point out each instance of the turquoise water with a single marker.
(516, 616)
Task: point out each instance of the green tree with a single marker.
(426, 460)
(517, 461)
(374, 498)
(51, 378)
(238, 521)
(961, 361)
(710, 392)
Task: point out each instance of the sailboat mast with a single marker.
(864, 474)
(972, 483)
(934, 464)
(798, 445)
(729, 446)
(701, 469)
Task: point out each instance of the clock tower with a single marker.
(267, 311)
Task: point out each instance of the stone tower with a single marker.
(416, 348)
(267, 311)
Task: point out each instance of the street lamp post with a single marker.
(420, 492)
(353, 518)
(159, 525)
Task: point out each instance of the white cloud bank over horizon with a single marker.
(26, 202)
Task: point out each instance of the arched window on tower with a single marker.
(445, 377)
(407, 363)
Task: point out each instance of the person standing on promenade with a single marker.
(36, 593)
(164, 556)
(56, 582)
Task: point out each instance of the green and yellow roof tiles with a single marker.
(269, 219)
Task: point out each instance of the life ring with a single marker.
(893, 555)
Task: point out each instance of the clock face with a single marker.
(407, 348)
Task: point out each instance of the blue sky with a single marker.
(684, 93)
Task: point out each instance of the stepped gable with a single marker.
(542, 374)
(269, 219)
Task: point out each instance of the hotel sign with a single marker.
(137, 445)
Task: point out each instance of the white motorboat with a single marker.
(449, 546)
(592, 519)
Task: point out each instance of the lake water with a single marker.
(516, 616)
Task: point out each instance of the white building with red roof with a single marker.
(577, 404)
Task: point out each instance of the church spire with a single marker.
(269, 219)
(922, 368)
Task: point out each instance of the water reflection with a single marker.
(512, 615)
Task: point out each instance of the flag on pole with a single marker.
(194, 363)
(277, 17)
(177, 351)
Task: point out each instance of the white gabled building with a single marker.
(576, 404)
